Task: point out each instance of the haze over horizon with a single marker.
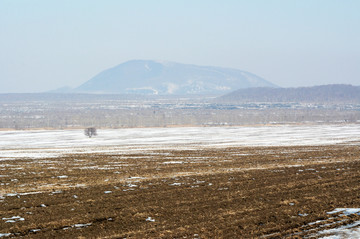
(46, 45)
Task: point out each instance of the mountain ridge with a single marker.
(333, 93)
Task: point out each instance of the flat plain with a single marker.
(284, 182)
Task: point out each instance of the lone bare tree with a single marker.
(90, 132)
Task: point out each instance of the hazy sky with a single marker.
(47, 44)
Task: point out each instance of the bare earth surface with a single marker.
(202, 192)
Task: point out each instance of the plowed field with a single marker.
(235, 192)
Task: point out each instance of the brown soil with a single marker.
(268, 192)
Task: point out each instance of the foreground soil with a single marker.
(260, 192)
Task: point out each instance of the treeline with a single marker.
(61, 111)
(63, 119)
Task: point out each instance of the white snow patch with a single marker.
(56, 192)
(130, 185)
(5, 234)
(81, 225)
(294, 166)
(136, 177)
(345, 211)
(149, 219)
(347, 231)
(13, 219)
(11, 195)
(174, 162)
(28, 193)
(175, 184)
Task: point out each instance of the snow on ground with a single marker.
(351, 230)
(342, 233)
(53, 143)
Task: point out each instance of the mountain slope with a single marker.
(153, 77)
(321, 94)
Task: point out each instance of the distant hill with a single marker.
(318, 94)
(65, 89)
(154, 77)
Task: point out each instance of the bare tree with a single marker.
(90, 132)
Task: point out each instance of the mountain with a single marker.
(155, 77)
(317, 94)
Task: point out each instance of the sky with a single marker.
(45, 45)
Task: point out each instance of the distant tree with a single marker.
(90, 132)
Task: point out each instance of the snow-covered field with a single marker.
(53, 143)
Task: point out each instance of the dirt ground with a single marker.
(241, 192)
